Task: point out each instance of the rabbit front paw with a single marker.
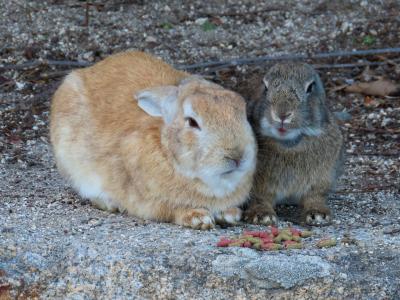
(229, 216)
(318, 216)
(197, 218)
(261, 215)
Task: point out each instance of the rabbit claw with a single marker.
(198, 219)
(229, 216)
(318, 218)
(261, 216)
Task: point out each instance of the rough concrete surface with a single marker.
(53, 244)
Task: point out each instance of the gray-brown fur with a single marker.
(299, 163)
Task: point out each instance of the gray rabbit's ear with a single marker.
(309, 86)
(159, 102)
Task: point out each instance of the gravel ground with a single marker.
(54, 245)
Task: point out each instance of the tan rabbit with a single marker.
(132, 133)
(300, 145)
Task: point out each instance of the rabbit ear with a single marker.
(199, 80)
(191, 78)
(266, 83)
(159, 102)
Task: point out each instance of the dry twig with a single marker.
(45, 62)
(217, 65)
(261, 59)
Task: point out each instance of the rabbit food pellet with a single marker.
(326, 243)
(274, 239)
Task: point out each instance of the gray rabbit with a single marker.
(300, 145)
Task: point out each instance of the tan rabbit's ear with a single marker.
(191, 78)
(199, 80)
(159, 102)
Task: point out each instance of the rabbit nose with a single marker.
(284, 116)
(235, 161)
(281, 117)
(235, 157)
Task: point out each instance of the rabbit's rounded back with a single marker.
(133, 133)
(293, 102)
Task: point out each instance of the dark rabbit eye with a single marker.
(310, 87)
(192, 123)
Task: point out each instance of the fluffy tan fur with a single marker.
(300, 145)
(121, 158)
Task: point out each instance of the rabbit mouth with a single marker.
(228, 172)
(237, 167)
(282, 130)
(232, 171)
(224, 180)
(279, 132)
(283, 133)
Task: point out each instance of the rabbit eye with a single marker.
(265, 92)
(192, 123)
(310, 87)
